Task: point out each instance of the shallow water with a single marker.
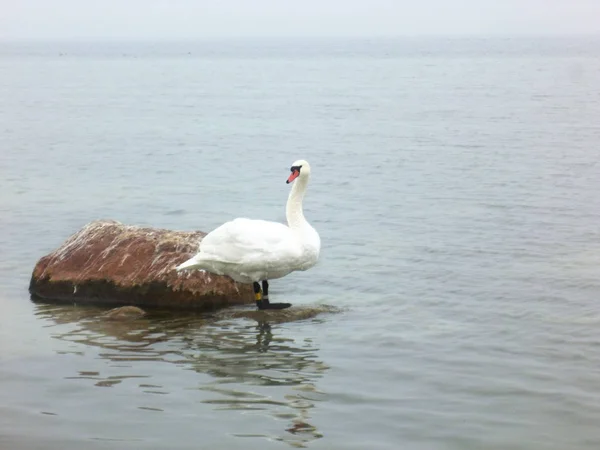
(455, 190)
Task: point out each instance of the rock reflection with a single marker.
(251, 365)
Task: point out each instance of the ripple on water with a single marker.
(243, 363)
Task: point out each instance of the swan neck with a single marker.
(294, 213)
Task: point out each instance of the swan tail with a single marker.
(190, 264)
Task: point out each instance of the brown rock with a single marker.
(107, 262)
(124, 313)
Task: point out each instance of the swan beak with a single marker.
(293, 176)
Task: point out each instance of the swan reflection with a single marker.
(242, 365)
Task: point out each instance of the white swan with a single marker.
(250, 251)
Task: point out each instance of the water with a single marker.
(455, 190)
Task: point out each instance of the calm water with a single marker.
(455, 189)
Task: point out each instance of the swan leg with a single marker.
(258, 295)
(265, 299)
(265, 292)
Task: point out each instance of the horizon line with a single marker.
(174, 39)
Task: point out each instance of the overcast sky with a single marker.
(158, 19)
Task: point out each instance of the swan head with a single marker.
(299, 169)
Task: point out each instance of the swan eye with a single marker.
(295, 168)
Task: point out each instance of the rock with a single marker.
(109, 263)
(295, 313)
(124, 313)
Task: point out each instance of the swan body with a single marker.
(250, 251)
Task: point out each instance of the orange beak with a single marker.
(293, 176)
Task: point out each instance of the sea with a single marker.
(455, 187)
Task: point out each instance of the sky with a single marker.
(193, 19)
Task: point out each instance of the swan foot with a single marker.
(266, 304)
(276, 306)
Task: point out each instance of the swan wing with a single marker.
(246, 241)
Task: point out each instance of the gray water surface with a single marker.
(455, 191)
